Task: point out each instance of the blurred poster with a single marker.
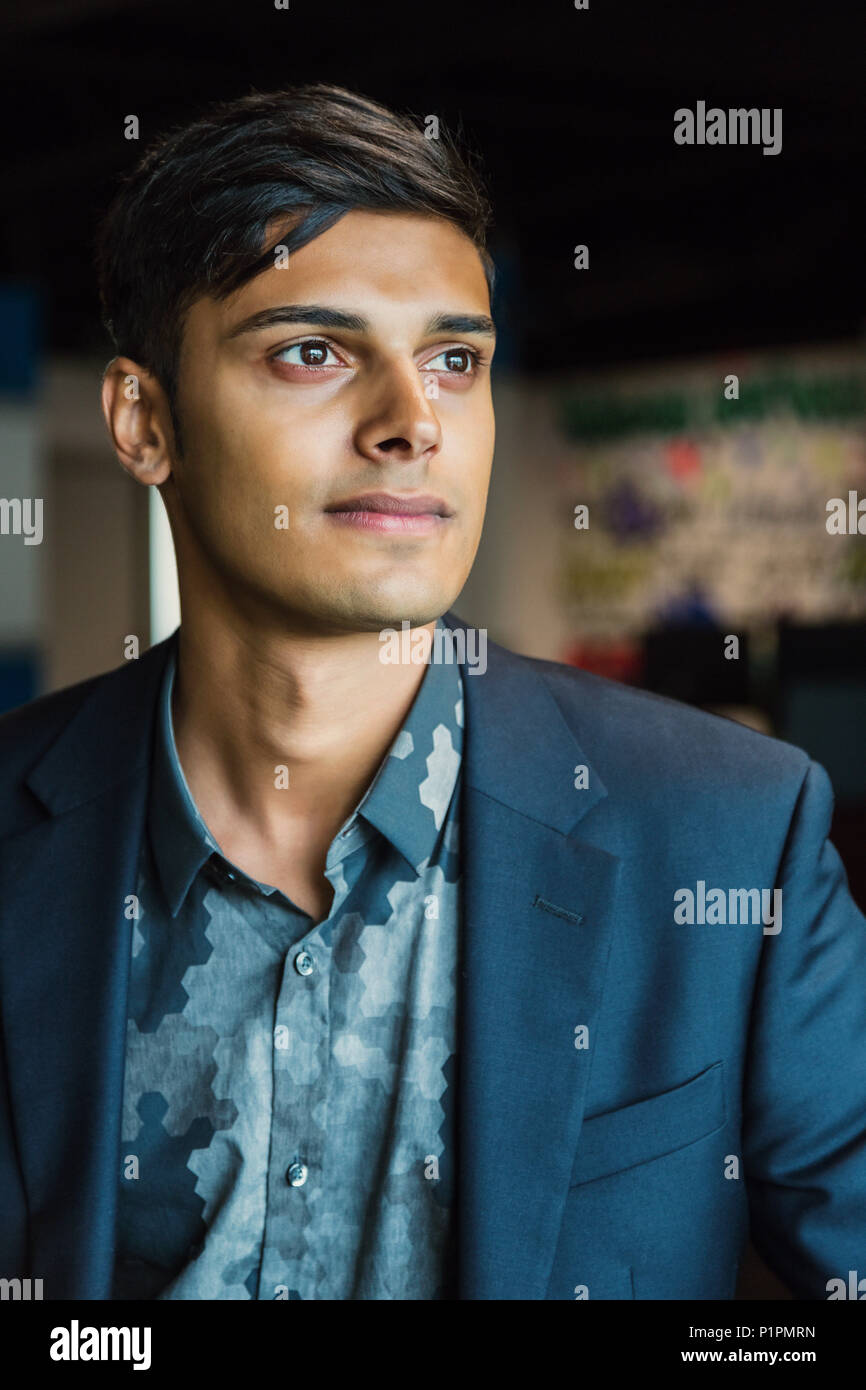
(702, 495)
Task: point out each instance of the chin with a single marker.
(377, 617)
(377, 606)
(356, 602)
(363, 612)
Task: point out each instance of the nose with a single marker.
(401, 425)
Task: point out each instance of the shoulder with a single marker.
(623, 727)
(107, 700)
(32, 727)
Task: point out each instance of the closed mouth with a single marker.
(421, 504)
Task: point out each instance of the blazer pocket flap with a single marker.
(650, 1128)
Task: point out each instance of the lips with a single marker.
(388, 503)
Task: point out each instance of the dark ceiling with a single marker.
(691, 249)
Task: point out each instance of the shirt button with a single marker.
(304, 963)
(296, 1174)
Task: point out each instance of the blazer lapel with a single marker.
(63, 887)
(537, 921)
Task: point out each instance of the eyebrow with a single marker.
(325, 317)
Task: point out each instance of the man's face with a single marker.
(287, 411)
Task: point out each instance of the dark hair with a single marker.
(190, 219)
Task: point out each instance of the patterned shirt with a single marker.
(289, 1098)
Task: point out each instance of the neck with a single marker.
(279, 734)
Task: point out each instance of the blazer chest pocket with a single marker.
(648, 1129)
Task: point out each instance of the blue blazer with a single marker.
(635, 1092)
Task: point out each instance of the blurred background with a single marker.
(695, 378)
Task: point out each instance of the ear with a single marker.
(136, 412)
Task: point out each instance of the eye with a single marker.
(313, 353)
(461, 361)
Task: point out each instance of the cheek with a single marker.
(242, 453)
(277, 447)
(479, 434)
(478, 453)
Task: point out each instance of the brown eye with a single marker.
(457, 361)
(313, 354)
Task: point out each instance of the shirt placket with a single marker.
(291, 1266)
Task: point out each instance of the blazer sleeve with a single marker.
(804, 1099)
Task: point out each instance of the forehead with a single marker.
(380, 264)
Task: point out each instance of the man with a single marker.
(333, 976)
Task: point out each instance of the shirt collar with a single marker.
(179, 838)
(406, 802)
(408, 798)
